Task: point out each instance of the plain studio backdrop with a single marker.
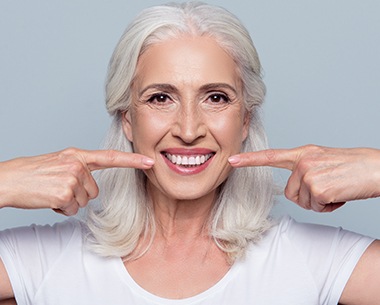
(321, 63)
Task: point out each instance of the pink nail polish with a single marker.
(148, 162)
(234, 159)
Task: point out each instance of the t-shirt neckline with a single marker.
(137, 289)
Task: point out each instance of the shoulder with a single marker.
(328, 254)
(320, 249)
(315, 258)
(316, 237)
(43, 239)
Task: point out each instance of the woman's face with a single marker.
(187, 114)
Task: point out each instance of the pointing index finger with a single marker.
(102, 159)
(280, 158)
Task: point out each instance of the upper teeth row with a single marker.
(188, 160)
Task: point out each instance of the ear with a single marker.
(127, 125)
(246, 123)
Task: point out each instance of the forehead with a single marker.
(187, 60)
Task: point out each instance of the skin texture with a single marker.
(61, 181)
(186, 71)
(8, 302)
(187, 101)
(323, 179)
(188, 115)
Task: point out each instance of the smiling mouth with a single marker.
(188, 160)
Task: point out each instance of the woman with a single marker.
(181, 226)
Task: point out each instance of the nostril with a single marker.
(190, 124)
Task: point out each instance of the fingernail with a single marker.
(234, 159)
(147, 161)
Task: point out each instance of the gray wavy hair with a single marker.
(124, 214)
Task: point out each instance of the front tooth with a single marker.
(185, 160)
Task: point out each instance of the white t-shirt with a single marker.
(294, 264)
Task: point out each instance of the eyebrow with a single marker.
(216, 86)
(206, 87)
(161, 87)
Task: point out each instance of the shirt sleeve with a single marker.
(330, 253)
(28, 253)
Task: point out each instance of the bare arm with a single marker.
(61, 181)
(8, 302)
(363, 285)
(323, 179)
(6, 291)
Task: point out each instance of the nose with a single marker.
(189, 125)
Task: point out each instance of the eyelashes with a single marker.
(213, 98)
(158, 98)
(217, 98)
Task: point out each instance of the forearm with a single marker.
(7, 192)
(6, 291)
(322, 178)
(8, 302)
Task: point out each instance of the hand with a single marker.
(322, 178)
(62, 180)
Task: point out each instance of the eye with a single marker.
(218, 98)
(159, 98)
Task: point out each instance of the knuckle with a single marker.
(67, 153)
(72, 210)
(314, 152)
(271, 155)
(111, 156)
(76, 168)
(312, 147)
(71, 183)
(65, 196)
(288, 195)
(292, 196)
(94, 193)
(304, 166)
(320, 195)
(71, 159)
(70, 151)
(83, 202)
(309, 179)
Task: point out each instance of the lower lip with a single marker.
(191, 170)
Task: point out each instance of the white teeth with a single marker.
(188, 160)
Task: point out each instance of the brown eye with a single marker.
(218, 98)
(158, 98)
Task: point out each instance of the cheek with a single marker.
(147, 131)
(229, 130)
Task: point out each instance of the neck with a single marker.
(182, 219)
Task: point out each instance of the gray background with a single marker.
(321, 62)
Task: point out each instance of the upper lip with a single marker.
(188, 157)
(188, 151)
